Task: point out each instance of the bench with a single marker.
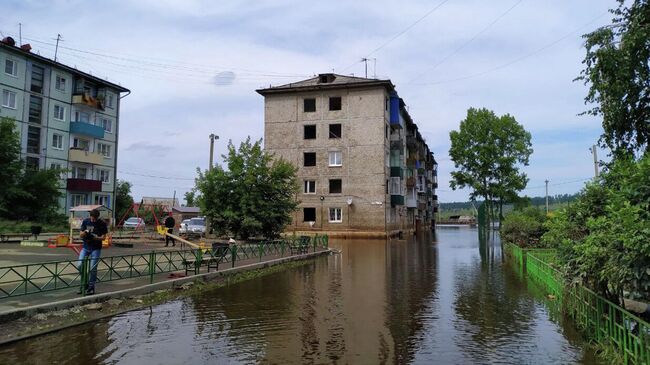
(300, 246)
(219, 252)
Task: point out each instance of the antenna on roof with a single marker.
(20, 34)
(56, 50)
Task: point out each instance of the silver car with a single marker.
(196, 226)
(134, 222)
(183, 227)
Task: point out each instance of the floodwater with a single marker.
(442, 299)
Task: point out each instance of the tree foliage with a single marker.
(603, 238)
(190, 198)
(523, 227)
(487, 152)
(617, 70)
(123, 198)
(254, 195)
(25, 194)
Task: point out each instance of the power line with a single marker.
(156, 176)
(399, 34)
(455, 51)
(516, 60)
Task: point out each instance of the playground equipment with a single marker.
(140, 210)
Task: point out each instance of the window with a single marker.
(8, 99)
(309, 105)
(60, 83)
(32, 163)
(82, 117)
(395, 187)
(104, 149)
(336, 215)
(59, 112)
(38, 73)
(335, 103)
(104, 200)
(77, 199)
(35, 109)
(335, 186)
(107, 124)
(310, 131)
(335, 131)
(57, 141)
(103, 175)
(310, 187)
(11, 68)
(79, 172)
(55, 166)
(386, 104)
(309, 159)
(81, 144)
(309, 214)
(110, 101)
(33, 140)
(336, 158)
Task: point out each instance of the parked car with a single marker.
(196, 226)
(134, 222)
(183, 227)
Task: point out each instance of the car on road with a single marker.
(134, 222)
(196, 226)
(183, 227)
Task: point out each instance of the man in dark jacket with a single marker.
(169, 224)
(93, 232)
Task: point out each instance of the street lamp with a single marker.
(212, 138)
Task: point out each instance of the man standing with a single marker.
(93, 232)
(169, 224)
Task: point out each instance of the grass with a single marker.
(7, 226)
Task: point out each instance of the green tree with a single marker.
(617, 70)
(10, 164)
(190, 198)
(123, 198)
(255, 194)
(487, 151)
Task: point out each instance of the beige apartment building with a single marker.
(362, 163)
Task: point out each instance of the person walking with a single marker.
(93, 232)
(169, 224)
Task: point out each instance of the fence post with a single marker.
(233, 256)
(261, 250)
(197, 263)
(152, 266)
(84, 274)
(282, 248)
(315, 241)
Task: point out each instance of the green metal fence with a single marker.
(43, 277)
(600, 319)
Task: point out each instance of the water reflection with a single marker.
(430, 299)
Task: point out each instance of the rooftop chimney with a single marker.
(326, 78)
(26, 47)
(8, 40)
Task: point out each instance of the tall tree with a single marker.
(617, 70)
(190, 198)
(123, 198)
(487, 151)
(10, 164)
(255, 194)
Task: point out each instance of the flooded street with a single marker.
(443, 299)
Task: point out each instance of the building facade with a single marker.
(362, 163)
(66, 119)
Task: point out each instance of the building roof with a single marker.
(5, 45)
(166, 202)
(196, 210)
(87, 208)
(326, 81)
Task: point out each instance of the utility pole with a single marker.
(365, 60)
(546, 181)
(593, 151)
(20, 34)
(212, 138)
(56, 50)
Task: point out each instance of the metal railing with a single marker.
(598, 318)
(43, 277)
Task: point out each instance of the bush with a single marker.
(523, 227)
(58, 226)
(603, 240)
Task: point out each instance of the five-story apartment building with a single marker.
(362, 164)
(66, 119)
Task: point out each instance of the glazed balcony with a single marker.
(86, 129)
(86, 99)
(80, 155)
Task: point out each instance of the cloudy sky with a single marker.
(193, 66)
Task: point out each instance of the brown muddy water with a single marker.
(441, 299)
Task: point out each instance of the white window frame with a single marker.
(395, 187)
(332, 157)
(9, 94)
(74, 172)
(104, 175)
(57, 138)
(76, 142)
(105, 197)
(104, 123)
(109, 99)
(309, 184)
(77, 117)
(77, 199)
(14, 67)
(104, 149)
(338, 215)
(60, 80)
(62, 112)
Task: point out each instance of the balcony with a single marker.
(88, 100)
(396, 120)
(396, 172)
(86, 129)
(84, 185)
(411, 202)
(80, 155)
(396, 200)
(410, 181)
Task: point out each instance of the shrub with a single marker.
(523, 227)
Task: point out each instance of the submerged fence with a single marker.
(43, 277)
(598, 318)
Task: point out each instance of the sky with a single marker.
(193, 67)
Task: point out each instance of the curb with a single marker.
(148, 288)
